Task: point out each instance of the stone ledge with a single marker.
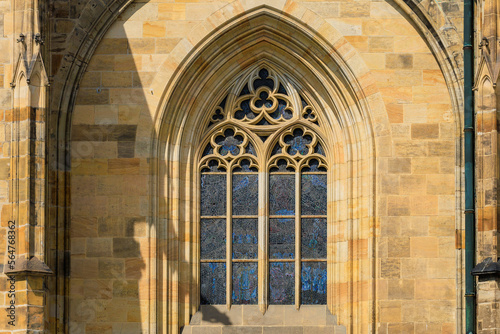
(263, 330)
(248, 319)
(488, 269)
(31, 266)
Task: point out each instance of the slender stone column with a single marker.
(487, 168)
(24, 264)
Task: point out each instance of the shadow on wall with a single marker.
(212, 315)
(110, 204)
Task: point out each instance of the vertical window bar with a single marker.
(229, 239)
(329, 248)
(297, 237)
(197, 253)
(263, 241)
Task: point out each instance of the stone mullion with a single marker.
(263, 240)
(229, 240)
(332, 293)
(297, 237)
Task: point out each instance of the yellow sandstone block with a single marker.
(390, 311)
(428, 165)
(355, 9)
(424, 247)
(142, 45)
(166, 45)
(171, 11)
(360, 43)
(441, 184)
(399, 61)
(381, 43)
(424, 131)
(116, 79)
(424, 205)
(388, 27)
(153, 29)
(435, 289)
(413, 44)
(413, 184)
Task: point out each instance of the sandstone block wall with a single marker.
(415, 284)
(416, 163)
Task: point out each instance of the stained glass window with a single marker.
(263, 196)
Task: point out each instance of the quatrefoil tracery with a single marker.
(298, 147)
(228, 148)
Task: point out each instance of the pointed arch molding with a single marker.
(338, 89)
(330, 70)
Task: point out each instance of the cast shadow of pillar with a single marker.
(110, 204)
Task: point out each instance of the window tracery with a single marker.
(263, 207)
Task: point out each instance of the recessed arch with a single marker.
(345, 109)
(342, 148)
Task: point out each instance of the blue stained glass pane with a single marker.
(313, 278)
(282, 90)
(213, 239)
(245, 90)
(244, 283)
(298, 142)
(313, 238)
(208, 150)
(245, 238)
(245, 110)
(313, 167)
(304, 103)
(263, 100)
(308, 113)
(282, 238)
(229, 143)
(282, 111)
(282, 166)
(213, 195)
(245, 194)
(245, 167)
(276, 150)
(263, 80)
(282, 283)
(313, 198)
(213, 166)
(282, 195)
(319, 149)
(250, 149)
(213, 283)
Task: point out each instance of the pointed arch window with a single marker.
(263, 196)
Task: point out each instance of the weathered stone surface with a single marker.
(123, 187)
